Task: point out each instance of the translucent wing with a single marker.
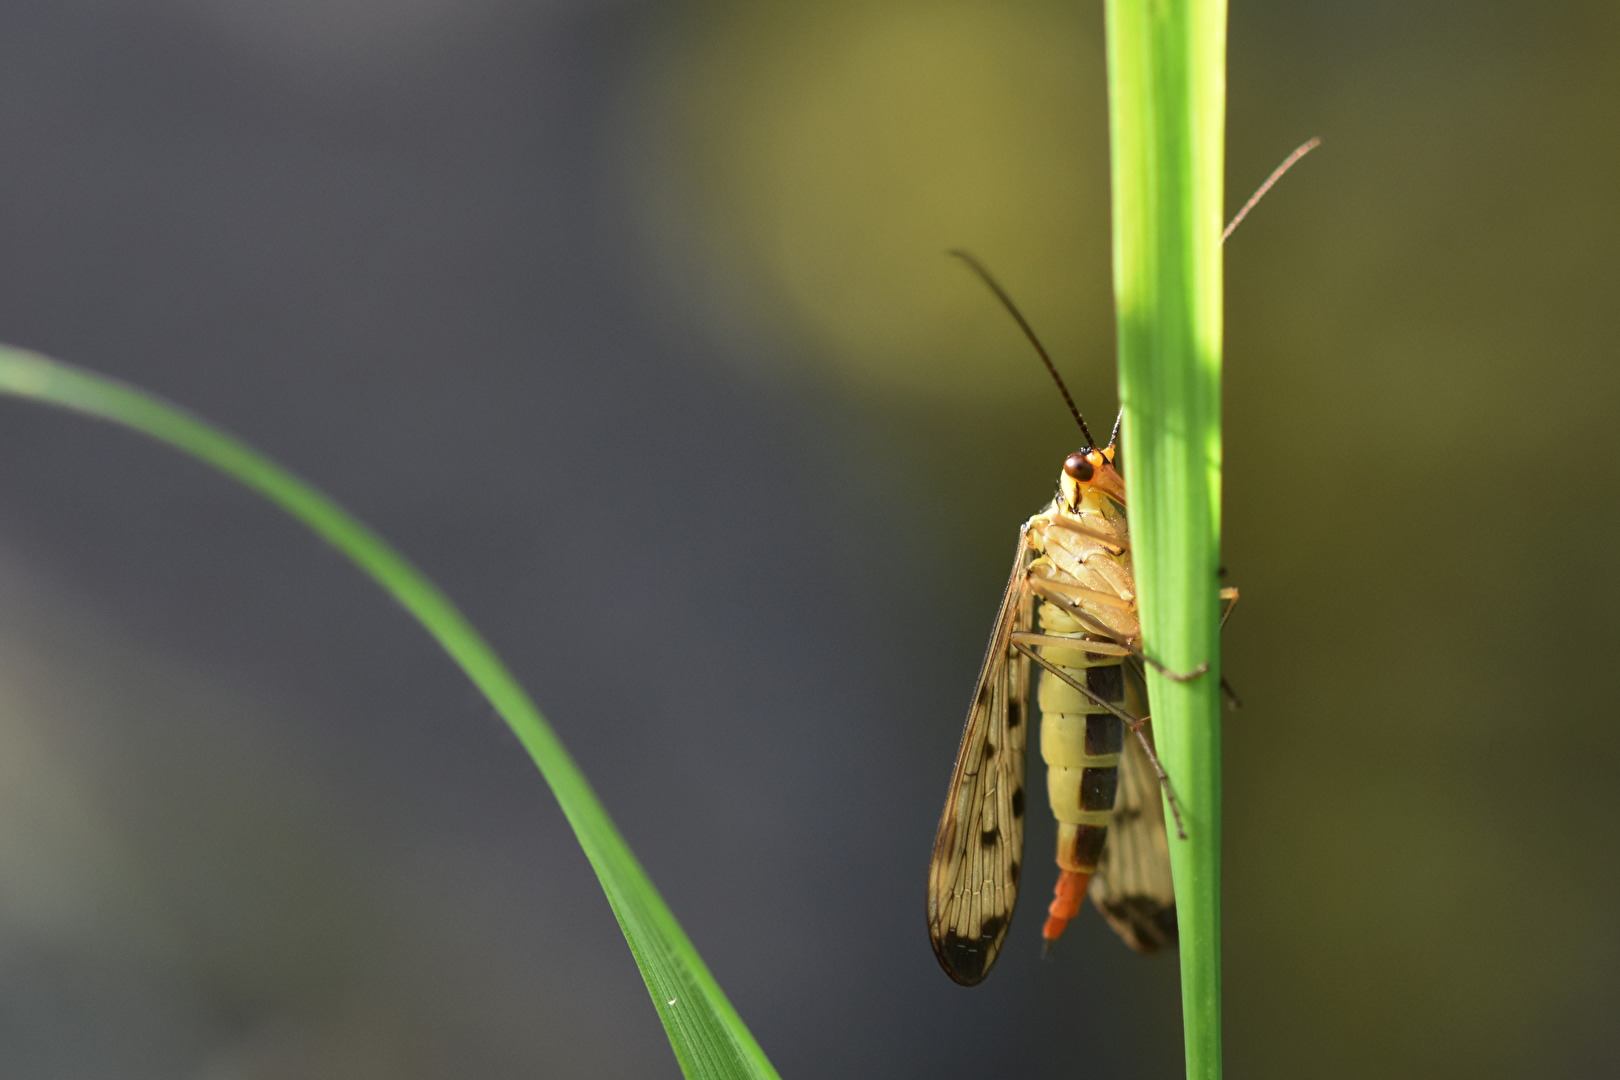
(1132, 884)
(978, 851)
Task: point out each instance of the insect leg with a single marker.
(1230, 595)
(1109, 541)
(1060, 641)
(1135, 723)
(1173, 676)
(1071, 607)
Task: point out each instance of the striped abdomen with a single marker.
(1081, 743)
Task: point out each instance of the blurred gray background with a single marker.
(630, 323)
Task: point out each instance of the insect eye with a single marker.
(1078, 468)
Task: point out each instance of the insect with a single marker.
(1070, 609)
(1072, 573)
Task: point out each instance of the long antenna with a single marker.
(1012, 308)
(1276, 174)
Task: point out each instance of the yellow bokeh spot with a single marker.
(834, 152)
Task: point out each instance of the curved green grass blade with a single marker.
(1167, 103)
(708, 1037)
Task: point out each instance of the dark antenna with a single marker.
(1276, 174)
(1006, 302)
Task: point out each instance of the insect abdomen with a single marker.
(1081, 744)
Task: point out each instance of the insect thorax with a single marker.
(1082, 576)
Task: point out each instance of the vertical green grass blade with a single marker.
(708, 1037)
(1167, 101)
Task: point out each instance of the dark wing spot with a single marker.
(1018, 802)
(968, 959)
(990, 837)
(1146, 924)
(1015, 714)
(963, 958)
(1165, 919)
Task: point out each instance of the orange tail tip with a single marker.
(1069, 894)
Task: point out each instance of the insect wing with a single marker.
(978, 850)
(1132, 886)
